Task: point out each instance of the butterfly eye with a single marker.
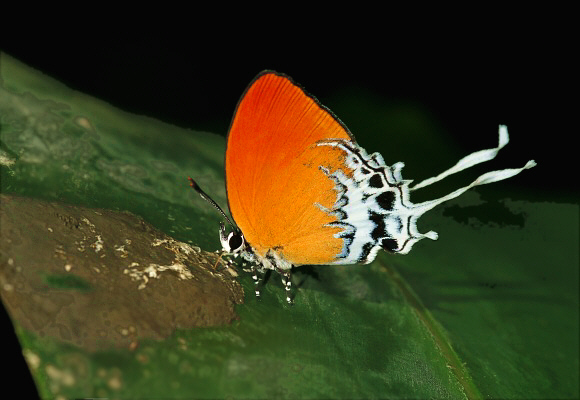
(232, 242)
(235, 242)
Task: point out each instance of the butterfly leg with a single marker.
(257, 280)
(287, 282)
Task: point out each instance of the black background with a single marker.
(472, 78)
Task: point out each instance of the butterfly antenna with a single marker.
(206, 197)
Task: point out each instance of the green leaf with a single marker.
(489, 310)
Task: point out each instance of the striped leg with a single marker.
(287, 282)
(257, 280)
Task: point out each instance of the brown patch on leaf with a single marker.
(99, 278)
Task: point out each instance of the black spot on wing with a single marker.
(389, 244)
(380, 229)
(386, 200)
(375, 181)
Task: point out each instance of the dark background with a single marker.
(471, 78)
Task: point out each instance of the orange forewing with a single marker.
(273, 178)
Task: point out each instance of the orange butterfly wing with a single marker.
(276, 190)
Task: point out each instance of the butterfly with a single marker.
(302, 191)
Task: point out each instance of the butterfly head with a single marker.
(232, 242)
